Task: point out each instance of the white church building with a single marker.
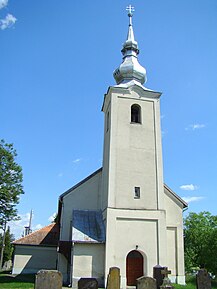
(123, 215)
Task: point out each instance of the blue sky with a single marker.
(57, 60)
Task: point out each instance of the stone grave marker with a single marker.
(146, 283)
(7, 265)
(166, 281)
(158, 275)
(113, 280)
(87, 283)
(203, 279)
(48, 279)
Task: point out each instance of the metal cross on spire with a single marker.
(130, 10)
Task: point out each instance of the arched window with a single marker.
(107, 121)
(135, 113)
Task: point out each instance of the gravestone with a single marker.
(203, 279)
(87, 283)
(7, 265)
(48, 279)
(113, 280)
(146, 283)
(166, 281)
(158, 275)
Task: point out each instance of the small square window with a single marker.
(137, 193)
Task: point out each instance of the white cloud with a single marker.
(190, 187)
(37, 227)
(195, 126)
(7, 22)
(192, 199)
(3, 3)
(17, 227)
(51, 218)
(76, 161)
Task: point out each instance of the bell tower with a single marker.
(132, 161)
(132, 175)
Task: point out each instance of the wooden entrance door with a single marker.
(134, 267)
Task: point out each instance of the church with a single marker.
(123, 215)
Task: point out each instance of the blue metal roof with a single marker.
(88, 226)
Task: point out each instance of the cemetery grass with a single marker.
(191, 283)
(8, 281)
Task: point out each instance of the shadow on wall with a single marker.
(35, 259)
(8, 278)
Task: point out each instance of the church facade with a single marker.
(123, 215)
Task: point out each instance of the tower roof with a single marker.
(130, 69)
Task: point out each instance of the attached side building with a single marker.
(36, 251)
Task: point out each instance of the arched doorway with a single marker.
(134, 267)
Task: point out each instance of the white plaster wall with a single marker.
(175, 243)
(132, 152)
(106, 153)
(88, 261)
(31, 259)
(172, 250)
(84, 197)
(127, 229)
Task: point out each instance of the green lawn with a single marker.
(191, 283)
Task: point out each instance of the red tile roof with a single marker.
(48, 235)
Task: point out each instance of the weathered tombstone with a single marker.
(158, 275)
(87, 283)
(113, 281)
(48, 279)
(203, 279)
(166, 281)
(146, 283)
(7, 265)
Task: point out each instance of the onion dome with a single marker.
(130, 69)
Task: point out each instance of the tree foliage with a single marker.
(10, 183)
(200, 231)
(8, 247)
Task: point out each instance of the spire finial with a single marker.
(130, 69)
(130, 10)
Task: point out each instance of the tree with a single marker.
(8, 247)
(10, 183)
(11, 188)
(200, 231)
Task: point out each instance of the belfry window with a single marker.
(135, 113)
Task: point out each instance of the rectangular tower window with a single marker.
(137, 193)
